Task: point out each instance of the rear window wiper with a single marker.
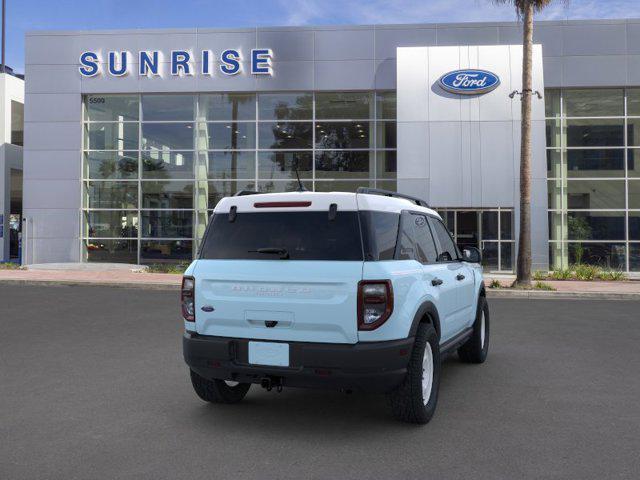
(284, 254)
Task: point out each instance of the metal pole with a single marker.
(4, 6)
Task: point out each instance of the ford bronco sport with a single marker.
(357, 291)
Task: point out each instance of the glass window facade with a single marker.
(593, 185)
(490, 230)
(154, 166)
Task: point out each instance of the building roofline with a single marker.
(276, 28)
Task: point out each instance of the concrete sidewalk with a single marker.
(111, 278)
(126, 278)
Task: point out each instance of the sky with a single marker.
(26, 15)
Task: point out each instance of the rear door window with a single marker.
(447, 250)
(278, 235)
(425, 246)
(407, 249)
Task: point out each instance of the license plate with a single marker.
(268, 353)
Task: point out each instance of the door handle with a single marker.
(436, 281)
(460, 277)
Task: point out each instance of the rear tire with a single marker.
(475, 350)
(218, 391)
(414, 401)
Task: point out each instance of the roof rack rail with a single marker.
(389, 193)
(243, 193)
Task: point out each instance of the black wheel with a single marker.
(415, 400)
(218, 391)
(476, 348)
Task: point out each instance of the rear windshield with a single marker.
(283, 235)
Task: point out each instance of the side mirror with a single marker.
(471, 255)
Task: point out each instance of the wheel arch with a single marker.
(427, 313)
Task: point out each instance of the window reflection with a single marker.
(334, 135)
(595, 194)
(347, 105)
(610, 256)
(386, 105)
(386, 135)
(216, 190)
(232, 164)
(285, 106)
(167, 136)
(595, 163)
(112, 194)
(167, 194)
(111, 165)
(111, 223)
(288, 135)
(171, 224)
(343, 164)
(283, 165)
(276, 186)
(167, 164)
(112, 251)
(387, 164)
(227, 136)
(166, 251)
(599, 102)
(171, 107)
(146, 157)
(227, 106)
(595, 133)
(596, 225)
(111, 108)
(111, 136)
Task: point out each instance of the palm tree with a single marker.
(525, 10)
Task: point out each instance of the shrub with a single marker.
(543, 286)
(9, 266)
(562, 274)
(540, 275)
(612, 275)
(167, 268)
(495, 284)
(587, 272)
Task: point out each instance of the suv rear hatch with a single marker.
(284, 271)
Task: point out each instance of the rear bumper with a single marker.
(367, 367)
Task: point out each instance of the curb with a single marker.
(81, 283)
(491, 292)
(546, 295)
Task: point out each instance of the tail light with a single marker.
(375, 303)
(187, 298)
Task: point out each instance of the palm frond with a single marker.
(519, 5)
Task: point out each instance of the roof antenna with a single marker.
(301, 187)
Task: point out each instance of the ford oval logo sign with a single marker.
(469, 82)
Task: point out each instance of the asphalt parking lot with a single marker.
(93, 386)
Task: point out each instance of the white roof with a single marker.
(318, 201)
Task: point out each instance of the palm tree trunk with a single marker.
(524, 246)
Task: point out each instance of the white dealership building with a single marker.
(131, 137)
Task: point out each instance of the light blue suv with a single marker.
(357, 291)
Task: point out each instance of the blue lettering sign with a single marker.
(149, 63)
(261, 61)
(230, 62)
(469, 81)
(180, 62)
(117, 68)
(206, 62)
(89, 64)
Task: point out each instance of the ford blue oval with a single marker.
(469, 81)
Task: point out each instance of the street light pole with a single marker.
(4, 5)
